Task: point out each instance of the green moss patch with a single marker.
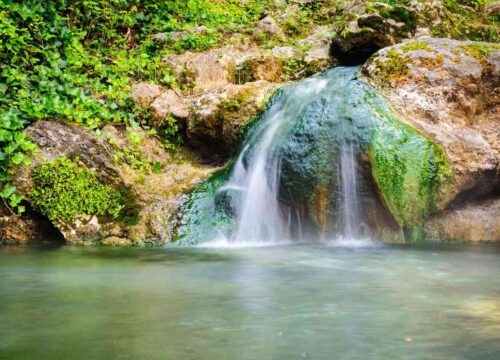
(479, 50)
(395, 66)
(62, 190)
(410, 170)
(416, 45)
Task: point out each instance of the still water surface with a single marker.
(282, 302)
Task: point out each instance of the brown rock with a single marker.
(268, 26)
(473, 222)
(169, 103)
(449, 90)
(120, 162)
(143, 94)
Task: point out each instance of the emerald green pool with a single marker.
(282, 302)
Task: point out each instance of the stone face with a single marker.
(449, 91)
(473, 222)
(151, 197)
(144, 93)
(169, 103)
(364, 26)
(176, 35)
(29, 227)
(219, 117)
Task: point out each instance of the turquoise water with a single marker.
(282, 302)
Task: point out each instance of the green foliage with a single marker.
(75, 60)
(62, 190)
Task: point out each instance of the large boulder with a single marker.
(128, 160)
(448, 91)
(220, 117)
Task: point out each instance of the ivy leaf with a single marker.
(15, 199)
(156, 167)
(18, 158)
(7, 191)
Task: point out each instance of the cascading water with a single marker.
(260, 218)
(305, 170)
(261, 215)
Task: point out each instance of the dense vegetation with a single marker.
(75, 61)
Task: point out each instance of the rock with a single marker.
(169, 103)
(143, 94)
(118, 161)
(473, 222)
(261, 67)
(21, 229)
(206, 70)
(268, 26)
(492, 9)
(449, 91)
(365, 28)
(219, 117)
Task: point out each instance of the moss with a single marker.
(416, 45)
(432, 63)
(395, 67)
(410, 170)
(62, 190)
(204, 211)
(400, 14)
(480, 51)
(293, 68)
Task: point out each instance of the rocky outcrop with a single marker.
(472, 222)
(131, 161)
(448, 91)
(223, 89)
(364, 26)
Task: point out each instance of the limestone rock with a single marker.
(169, 103)
(493, 9)
(365, 29)
(176, 35)
(474, 222)
(449, 91)
(219, 117)
(121, 163)
(143, 94)
(268, 25)
(21, 229)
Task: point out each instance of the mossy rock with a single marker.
(62, 190)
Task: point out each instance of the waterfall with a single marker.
(297, 176)
(260, 218)
(349, 194)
